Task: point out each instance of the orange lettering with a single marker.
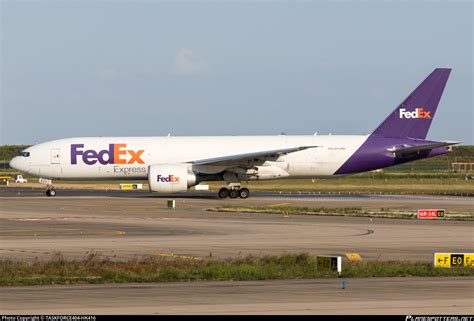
(118, 152)
(136, 156)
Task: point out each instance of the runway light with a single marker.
(171, 204)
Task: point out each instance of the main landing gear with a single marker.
(233, 193)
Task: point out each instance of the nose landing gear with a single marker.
(50, 191)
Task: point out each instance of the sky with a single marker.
(151, 68)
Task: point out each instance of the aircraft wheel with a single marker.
(244, 193)
(234, 193)
(50, 192)
(223, 193)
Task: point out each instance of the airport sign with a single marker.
(448, 260)
(431, 213)
(352, 256)
(329, 263)
(131, 186)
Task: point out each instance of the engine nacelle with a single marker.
(170, 178)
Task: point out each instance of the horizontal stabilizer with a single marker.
(400, 152)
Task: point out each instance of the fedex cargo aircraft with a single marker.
(174, 164)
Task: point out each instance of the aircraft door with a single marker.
(55, 156)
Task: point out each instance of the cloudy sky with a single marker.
(109, 68)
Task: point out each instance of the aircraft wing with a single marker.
(249, 159)
(409, 150)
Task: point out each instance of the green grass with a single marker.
(94, 269)
(333, 211)
(289, 209)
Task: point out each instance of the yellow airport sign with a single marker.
(130, 186)
(448, 260)
(353, 256)
(329, 263)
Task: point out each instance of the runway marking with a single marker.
(118, 208)
(279, 204)
(368, 232)
(84, 218)
(41, 219)
(25, 251)
(61, 231)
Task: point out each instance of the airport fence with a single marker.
(5, 164)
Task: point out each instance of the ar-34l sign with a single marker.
(432, 213)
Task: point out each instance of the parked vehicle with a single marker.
(20, 179)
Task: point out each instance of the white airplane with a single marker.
(174, 164)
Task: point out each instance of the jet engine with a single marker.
(170, 178)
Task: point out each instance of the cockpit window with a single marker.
(25, 154)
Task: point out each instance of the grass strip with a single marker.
(95, 269)
(329, 211)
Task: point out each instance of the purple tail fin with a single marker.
(412, 119)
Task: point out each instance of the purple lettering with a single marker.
(167, 179)
(108, 156)
(109, 153)
(75, 152)
(89, 157)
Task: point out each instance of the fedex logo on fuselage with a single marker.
(116, 154)
(417, 113)
(167, 179)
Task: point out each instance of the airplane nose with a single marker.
(14, 163)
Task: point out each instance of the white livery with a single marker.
(177, 163)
